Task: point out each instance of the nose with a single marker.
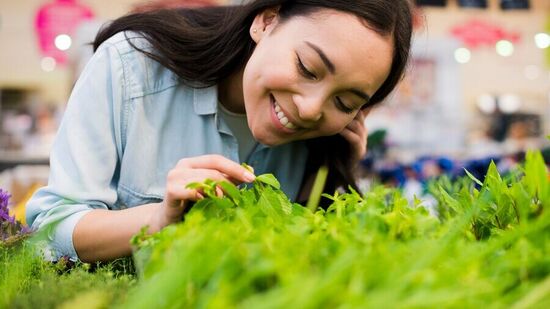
(309, 107)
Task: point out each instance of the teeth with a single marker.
(290, 125)
(283, 119)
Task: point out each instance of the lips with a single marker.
(281, 116)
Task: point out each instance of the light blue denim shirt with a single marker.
(128, 121)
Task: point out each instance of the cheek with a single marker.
(334, 129)
(336, 125)
(339, 122)
(270, 71)
(251, 85)
(258, 81)
(279, 77)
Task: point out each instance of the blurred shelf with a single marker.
(10, 159)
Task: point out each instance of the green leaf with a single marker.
(492, 175)
(285, 203)
(536, 177)
(269, 179)
(266, 204)
(248, 167)
(230, 190)
(194, 185)
(472, 177)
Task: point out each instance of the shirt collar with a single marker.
(205, 100)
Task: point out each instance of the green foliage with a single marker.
(27, 281)
(253, 248)
(489, 246)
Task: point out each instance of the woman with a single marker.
(178, 96)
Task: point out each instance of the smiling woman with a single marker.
(317, 70)
(178, 96)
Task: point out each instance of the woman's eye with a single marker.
(303, 70)
(342, 106)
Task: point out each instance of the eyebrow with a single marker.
(332, 69)
(360, 94)
(323, 56)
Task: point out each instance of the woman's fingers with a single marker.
(364, 113)
(179, 178)
(357, 127)
(187, 175)
(219, 163)
(350, 136)
(197, 169)
(219, 192)
(356, 134)
(357, 142)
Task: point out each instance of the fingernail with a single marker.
(249, 177)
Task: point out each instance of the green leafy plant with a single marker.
(488, 245)
(253, 248)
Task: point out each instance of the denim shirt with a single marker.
(129, 120)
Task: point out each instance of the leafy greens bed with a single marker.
(489, 245)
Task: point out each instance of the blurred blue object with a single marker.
(514, 4)
(480, 4)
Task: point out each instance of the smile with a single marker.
(283, 119)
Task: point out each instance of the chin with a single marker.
(268, 139)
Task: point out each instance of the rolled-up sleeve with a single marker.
(85, 154)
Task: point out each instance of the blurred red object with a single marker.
(167, 4)
(55, 18)
(476, 33)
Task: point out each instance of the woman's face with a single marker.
(309, 76)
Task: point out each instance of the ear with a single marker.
(264, 23)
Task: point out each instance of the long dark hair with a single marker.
(206, 45)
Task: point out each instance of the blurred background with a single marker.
(478, 87)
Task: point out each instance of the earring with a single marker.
(254, 30)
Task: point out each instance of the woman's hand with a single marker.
(356, 134)
(196, 169)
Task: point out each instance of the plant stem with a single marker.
(317, 190)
